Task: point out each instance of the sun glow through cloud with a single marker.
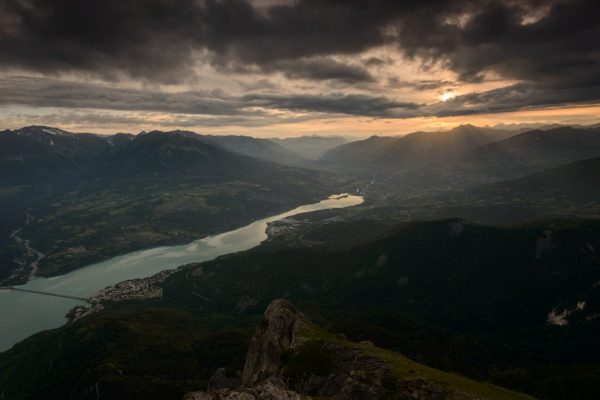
(448, 96)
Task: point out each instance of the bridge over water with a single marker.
(65, 296)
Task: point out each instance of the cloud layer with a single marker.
(548, 49)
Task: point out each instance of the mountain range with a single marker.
(36, 154)
(578, 181)
(258, 148)
(415, 148)
(171, 154)
(534, 151)
(194, 184)
(462, 157)
(120, 193)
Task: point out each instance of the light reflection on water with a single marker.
(23, 314)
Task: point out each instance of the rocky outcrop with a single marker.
(335, 370)
(276, 335)
(288, 360)
(271, 389)
(260, 379)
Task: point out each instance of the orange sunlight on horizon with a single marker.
(351, 126)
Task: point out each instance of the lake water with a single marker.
(23, 314)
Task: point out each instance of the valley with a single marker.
(89, 215)
(443, 270)
(401, 290)
(38, 312)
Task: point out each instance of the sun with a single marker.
(447, 96)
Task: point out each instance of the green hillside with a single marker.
(141, 351)
(457, 296)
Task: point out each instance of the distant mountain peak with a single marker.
(40, 129)
(464, 126)
(414, 149)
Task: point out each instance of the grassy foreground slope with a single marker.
(141, 351)
(516, 305)
(132, 352)
(320, 353)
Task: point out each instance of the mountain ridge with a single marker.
(311, 146)
(415, 148)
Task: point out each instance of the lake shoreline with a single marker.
(37, 313)
(22, 277)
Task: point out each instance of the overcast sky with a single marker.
(283, 68)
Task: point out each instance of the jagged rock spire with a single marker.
(276, 335)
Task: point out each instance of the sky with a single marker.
(286, 68)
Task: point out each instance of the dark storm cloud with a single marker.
(562, 45)
(551, 45)
(337, 104)
(150, 39)
(428, 84)
(317, 68)
(244, 110)
(375, 62)
(161, 39)
(62, 94)
(325, 69)
(515, 97)
(154, 37)
(173, 120)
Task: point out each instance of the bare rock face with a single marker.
(277, 335)
(350, 373)
(260, 378)
(271, 389)
(360, 385)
